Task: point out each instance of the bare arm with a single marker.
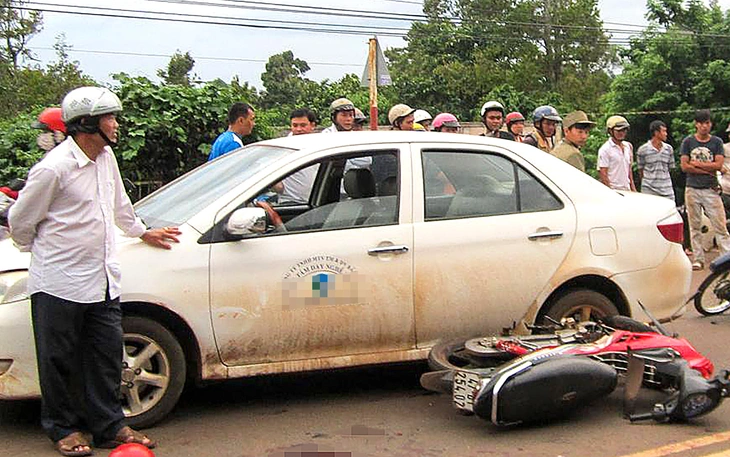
(603, 176)
(689, 166)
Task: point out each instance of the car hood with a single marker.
(11, 258)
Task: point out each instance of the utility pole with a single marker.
(373, 75)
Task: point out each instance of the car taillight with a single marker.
(672, 228)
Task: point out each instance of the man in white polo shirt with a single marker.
(615, 156)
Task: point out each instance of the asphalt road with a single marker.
(384, 412)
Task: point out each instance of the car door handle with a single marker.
(401, 249)
(541, 235)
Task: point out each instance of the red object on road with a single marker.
(131, 450)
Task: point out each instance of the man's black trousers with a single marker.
(79, 351)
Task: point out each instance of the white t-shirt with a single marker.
(725, 179)
(618, 162)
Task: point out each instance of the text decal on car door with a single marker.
(321, 280)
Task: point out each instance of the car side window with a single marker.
(474, 184)
(341, 192)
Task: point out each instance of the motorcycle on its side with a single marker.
(713, 295)
(510, 380)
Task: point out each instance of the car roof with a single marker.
(333, 140)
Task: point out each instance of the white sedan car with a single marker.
(368, 248)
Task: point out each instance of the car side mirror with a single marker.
(246, 221)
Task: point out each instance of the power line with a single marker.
(303, 26)
(227, 59)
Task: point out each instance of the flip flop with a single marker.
(125, 436)
(74, 445)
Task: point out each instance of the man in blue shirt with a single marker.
(241, 121)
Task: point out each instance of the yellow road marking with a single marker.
(688, 445)
(725, 453)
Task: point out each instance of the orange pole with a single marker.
(373, 75)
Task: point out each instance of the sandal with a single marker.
(75, 444)
(125, 436)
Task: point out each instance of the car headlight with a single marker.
(13, 286)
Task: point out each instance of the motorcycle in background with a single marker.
(713, 295)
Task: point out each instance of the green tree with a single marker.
(677, 70)
(284, 80)
(166, 130)
(178, 69)
(466, 49)
(17, 27)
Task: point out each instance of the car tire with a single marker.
(582, 304)
(153, 371)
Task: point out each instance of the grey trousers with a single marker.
(79, 351)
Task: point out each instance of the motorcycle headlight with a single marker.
(13, 286)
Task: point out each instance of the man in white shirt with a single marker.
(615, 156)
(65, 216)
(298, 186)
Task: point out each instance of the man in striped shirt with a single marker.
(655, 158)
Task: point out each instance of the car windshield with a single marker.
(183, 198)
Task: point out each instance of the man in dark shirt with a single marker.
(702, 157)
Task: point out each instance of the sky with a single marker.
(104, 45)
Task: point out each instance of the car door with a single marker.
(338, 282)
(489, 233)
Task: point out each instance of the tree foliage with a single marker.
(178, 69)
(469, 48)
(17, 27)
(166, 130)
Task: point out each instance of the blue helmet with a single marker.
(545, 112)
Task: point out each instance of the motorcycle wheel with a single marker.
(706, 299)
(582, 305)
(453, 355)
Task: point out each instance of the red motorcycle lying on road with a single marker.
(516, 379)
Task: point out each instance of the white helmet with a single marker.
(421, 115)
(492, 105)
(89, 102)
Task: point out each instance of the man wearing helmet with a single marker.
(241, 121)
(515, 125)
(492, 114)
(66, 216)
(401, 117)
(545, 120)
(342, 113)
(54, 130)
(423, 118)
(616, 155)
(360, 120)
(701, 158)
(446, 122)
(575, 128)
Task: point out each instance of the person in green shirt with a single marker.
(576, 127)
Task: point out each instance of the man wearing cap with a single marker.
(655, 158)
(702, 157)
(576, 127)
(614, 157)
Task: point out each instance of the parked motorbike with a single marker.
(515, 379)
(713, 295)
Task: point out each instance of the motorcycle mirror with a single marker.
(660, 328)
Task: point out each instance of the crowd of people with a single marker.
(74, 197)
(702, 155)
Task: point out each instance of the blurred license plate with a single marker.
(466, 386)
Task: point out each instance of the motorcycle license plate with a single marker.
(466, 385)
